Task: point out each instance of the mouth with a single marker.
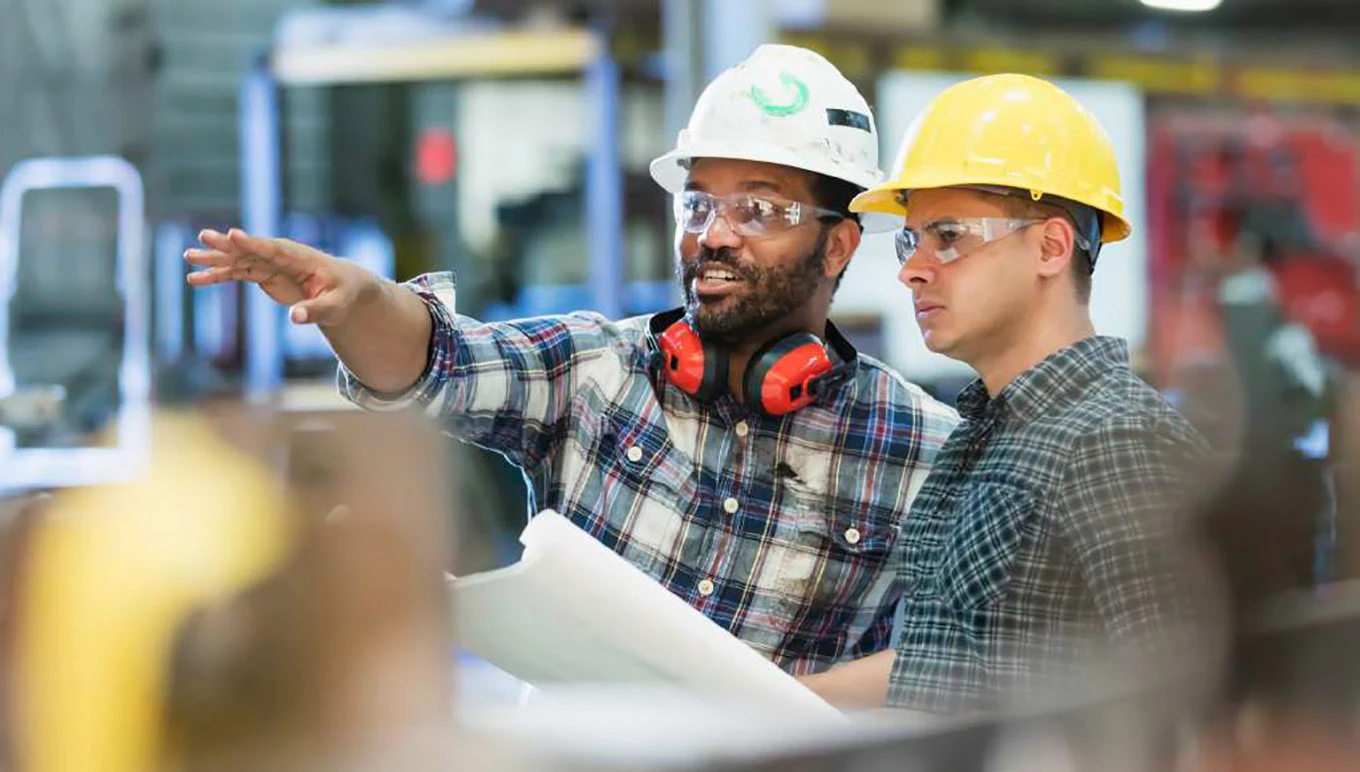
(927, 309)
(715, 281)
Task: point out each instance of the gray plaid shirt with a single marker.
(1045, 534)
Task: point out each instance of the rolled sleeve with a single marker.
(438, 293)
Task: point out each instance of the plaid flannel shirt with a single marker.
(1048, 535)
(782, 530)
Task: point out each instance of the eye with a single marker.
(947, 233)
(696, 204)
(764, 210)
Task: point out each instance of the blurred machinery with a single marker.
(1255, 313)
(75, 364)
(1281, 194)
(579, 235)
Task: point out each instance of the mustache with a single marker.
(724, 257)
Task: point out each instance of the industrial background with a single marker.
(508, 141)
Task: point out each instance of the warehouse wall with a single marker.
(74, 78)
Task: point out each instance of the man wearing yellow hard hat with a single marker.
(1046, 537)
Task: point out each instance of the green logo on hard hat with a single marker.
(798, 97)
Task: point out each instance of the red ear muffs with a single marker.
(695, 367)
(783, 375)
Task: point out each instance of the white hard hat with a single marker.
(783, 105)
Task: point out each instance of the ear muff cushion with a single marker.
(780, 374)
(692, 365)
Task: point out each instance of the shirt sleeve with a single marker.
(504, 386)
(1125, 505)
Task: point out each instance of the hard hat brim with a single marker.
(885, 199)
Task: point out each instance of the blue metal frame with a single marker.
(261, 208)
(169, 268)
(604, 186)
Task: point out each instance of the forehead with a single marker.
(929, 205)
(724, 175)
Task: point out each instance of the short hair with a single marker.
(835, 195)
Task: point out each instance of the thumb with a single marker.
(326, 308)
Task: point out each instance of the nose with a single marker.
(918, 271)
(720, 234)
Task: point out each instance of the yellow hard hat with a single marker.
(110, 576)
(1013, 131)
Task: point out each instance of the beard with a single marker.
(772, 293)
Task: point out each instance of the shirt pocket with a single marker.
(636, 490)
(836, 549)
(632, 455)
(981, 547)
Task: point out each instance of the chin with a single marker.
(936, 349)
(937, 343)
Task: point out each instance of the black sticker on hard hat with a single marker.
(848, 118)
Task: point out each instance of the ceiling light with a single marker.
(1183, 5)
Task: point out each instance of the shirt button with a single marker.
(731, 506)
(743, 429)
(706, 587)
(635, 454)
(852, 536)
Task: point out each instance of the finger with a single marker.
(211, 276)
(287, 255)
(215, 240)
(209, 258)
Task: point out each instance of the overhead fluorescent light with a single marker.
(1183, 5)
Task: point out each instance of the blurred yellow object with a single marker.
(1007, 130)
(112, 573)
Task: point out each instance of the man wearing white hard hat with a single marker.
(738, 450)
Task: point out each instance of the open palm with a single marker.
(319, 287)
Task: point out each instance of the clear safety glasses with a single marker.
(748, 214)
(949, 240)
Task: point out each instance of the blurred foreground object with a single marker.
(268, 596)
(226, 612)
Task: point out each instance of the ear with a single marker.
(1057, 239)
(841, 243)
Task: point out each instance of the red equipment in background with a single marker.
(1225, 187)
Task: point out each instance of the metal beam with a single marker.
(261, 208)
(465, 56)
(732, 31)
(604, 185)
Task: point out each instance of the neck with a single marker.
(1031, 344)
(739, 356)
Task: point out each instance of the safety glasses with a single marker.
(950, 239)
(746, 213)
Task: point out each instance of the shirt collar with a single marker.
(1058, 380)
